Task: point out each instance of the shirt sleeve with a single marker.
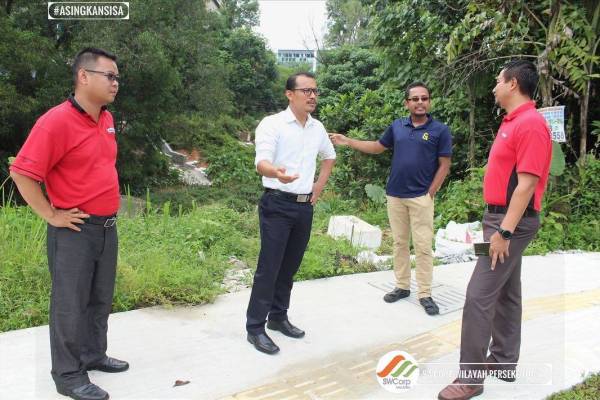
(387, 139)
(265, 141)
(41, 151)
(326, 150)
(531, 146)
(445, 143)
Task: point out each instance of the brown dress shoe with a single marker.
(458, 391)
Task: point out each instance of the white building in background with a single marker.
(286, 56)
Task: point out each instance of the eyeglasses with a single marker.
(308, 91)
(416, 99)
(109, 75)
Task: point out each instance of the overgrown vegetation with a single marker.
(201, 80)
(589, 389)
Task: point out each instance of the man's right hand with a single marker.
(283, 178)
(67, 218)
(338, 139)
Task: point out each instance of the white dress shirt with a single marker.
(284, 142)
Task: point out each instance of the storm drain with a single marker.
(446, 297)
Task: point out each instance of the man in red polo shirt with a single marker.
(513, 186)
(72, 150)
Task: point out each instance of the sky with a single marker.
(289, 24)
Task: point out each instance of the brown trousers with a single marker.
(493, 304)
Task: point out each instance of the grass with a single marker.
(171, 253)
(589, 389)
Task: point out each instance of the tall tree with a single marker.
(346, 22)
(240, 13)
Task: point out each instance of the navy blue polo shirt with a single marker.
(415, 155)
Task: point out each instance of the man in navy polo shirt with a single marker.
(513, 187)
(72, 150)
(421, 150)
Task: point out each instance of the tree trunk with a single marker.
(583, 117)
(543, 62)
(472, 109)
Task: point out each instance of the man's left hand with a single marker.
(316, 192)
(498, 248)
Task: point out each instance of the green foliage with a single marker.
(557, 167)
(375, 193)
(234, 164)
(589, 389)
(585, 200)
(347, 70)
(252, 71)
(462, 200)
(240, 13)
(166, 255)
(362, 117)
(181, 66)
(347, 21)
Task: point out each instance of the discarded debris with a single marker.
(180, 383)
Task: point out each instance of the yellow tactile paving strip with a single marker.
(351, 376)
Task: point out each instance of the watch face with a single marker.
(506, 234)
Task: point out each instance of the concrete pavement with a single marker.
(349, 328)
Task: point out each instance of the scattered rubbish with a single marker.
(455, 242)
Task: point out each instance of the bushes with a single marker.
(461, 200)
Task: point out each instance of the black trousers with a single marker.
(82, 267)
(284, 233)
(493, 307)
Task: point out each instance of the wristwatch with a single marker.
(506, 235)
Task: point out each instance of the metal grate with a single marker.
(447, 297)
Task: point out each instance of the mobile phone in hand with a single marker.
(482, 248)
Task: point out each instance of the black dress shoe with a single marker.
(263, 343)
(396, 295)
(89, 391)
(110, 364)
(286, 328)
(429, 305)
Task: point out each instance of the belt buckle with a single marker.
(302, 198)
(109, 223)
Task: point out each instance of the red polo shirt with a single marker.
(522, 145)
(75, 157)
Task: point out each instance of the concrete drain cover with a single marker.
(447, 297)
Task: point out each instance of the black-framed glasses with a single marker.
(416, 99)
(109, 75)
(308, 91)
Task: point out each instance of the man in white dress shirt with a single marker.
(287, 146)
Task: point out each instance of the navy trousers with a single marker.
(284, 233)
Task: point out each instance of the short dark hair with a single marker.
(525, 73)
(414, 85)
(291, 81)
(87, 56)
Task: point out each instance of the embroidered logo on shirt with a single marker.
(426, 136)
(111, 130)
(504, 135)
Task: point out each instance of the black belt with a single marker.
(492, 209)
(107, 222)
(296, 198)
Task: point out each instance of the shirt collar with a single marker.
(408, 121)
(77, 106)
(528, 105)
(289, 116)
